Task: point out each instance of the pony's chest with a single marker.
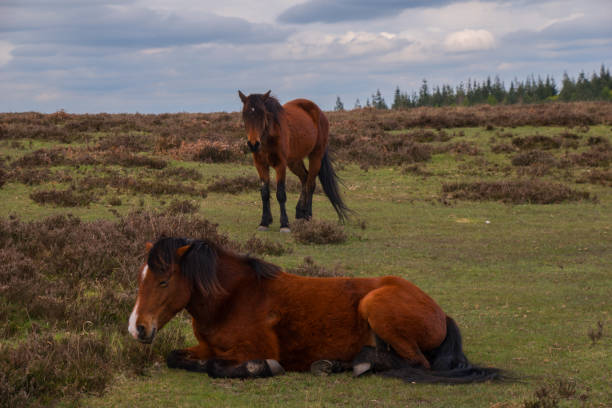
(269, 156)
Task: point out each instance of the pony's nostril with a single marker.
(253, 146)
(141, 330)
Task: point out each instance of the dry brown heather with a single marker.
(514, 191)
(255, 245)
(173, 130)
(235, 185)
(359, 135)
(62, 198)
(310, 268)
(64, 271)
(317, 232)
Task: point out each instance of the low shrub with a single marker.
(265, 247)
(126, 159)
(34, 176)
(536, 142)
(132, 142)
(235, 185)
(183, 207)
(43, 369)
(595, 176)
(3, 176)
(597, 140)
(114, 201)
(62, 198)
(534, 157)
(317, 232)
(515, 192)
(41, 157)
(461, 147)
(557, 393)
(416, 169)
(181, 173)
(310, 268)
(599, 155)
(502, 148)
(129, 183)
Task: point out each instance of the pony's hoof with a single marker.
(262, 228)
(321, 367)
(275, 367)
(286, 230)
(361, 368)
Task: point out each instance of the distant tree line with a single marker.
(494, 91)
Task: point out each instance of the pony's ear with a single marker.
(265, 96)
(181, 251)
(243, 97)
(149, 245)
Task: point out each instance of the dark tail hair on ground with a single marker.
(448, 364)
(329, 182)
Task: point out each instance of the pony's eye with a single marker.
(163, 284)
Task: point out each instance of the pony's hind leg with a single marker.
(326, 367)
(218, 368)
(301, 209)
(377, 359)
(314, 165)
(406, 319)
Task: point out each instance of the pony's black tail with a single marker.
(329, 182)
(448, 364)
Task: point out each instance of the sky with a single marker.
(155, 56)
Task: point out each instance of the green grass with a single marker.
(524, 282)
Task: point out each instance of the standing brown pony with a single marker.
(253, 320)
(281, 137)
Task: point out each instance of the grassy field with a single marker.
(455, 207)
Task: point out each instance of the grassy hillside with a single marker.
(503, 215)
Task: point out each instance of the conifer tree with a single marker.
(339, 105)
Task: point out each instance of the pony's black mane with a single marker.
(261, 105)
(199, 263)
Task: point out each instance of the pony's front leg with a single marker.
(218, 368)
(264, 176)
(281, 196)
(190, 359)
(184, 360)
(266, 215)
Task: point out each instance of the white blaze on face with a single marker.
(134, 316)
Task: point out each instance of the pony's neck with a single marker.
(232, 273)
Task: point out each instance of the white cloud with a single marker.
(155, 51)
(509, 66)
(5, 52)
(316, 44)
(469, 40)
(47, 96)
(572, 17)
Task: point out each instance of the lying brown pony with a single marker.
(252, 319)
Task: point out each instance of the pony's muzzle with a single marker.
(253, 147)
(143, 336)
